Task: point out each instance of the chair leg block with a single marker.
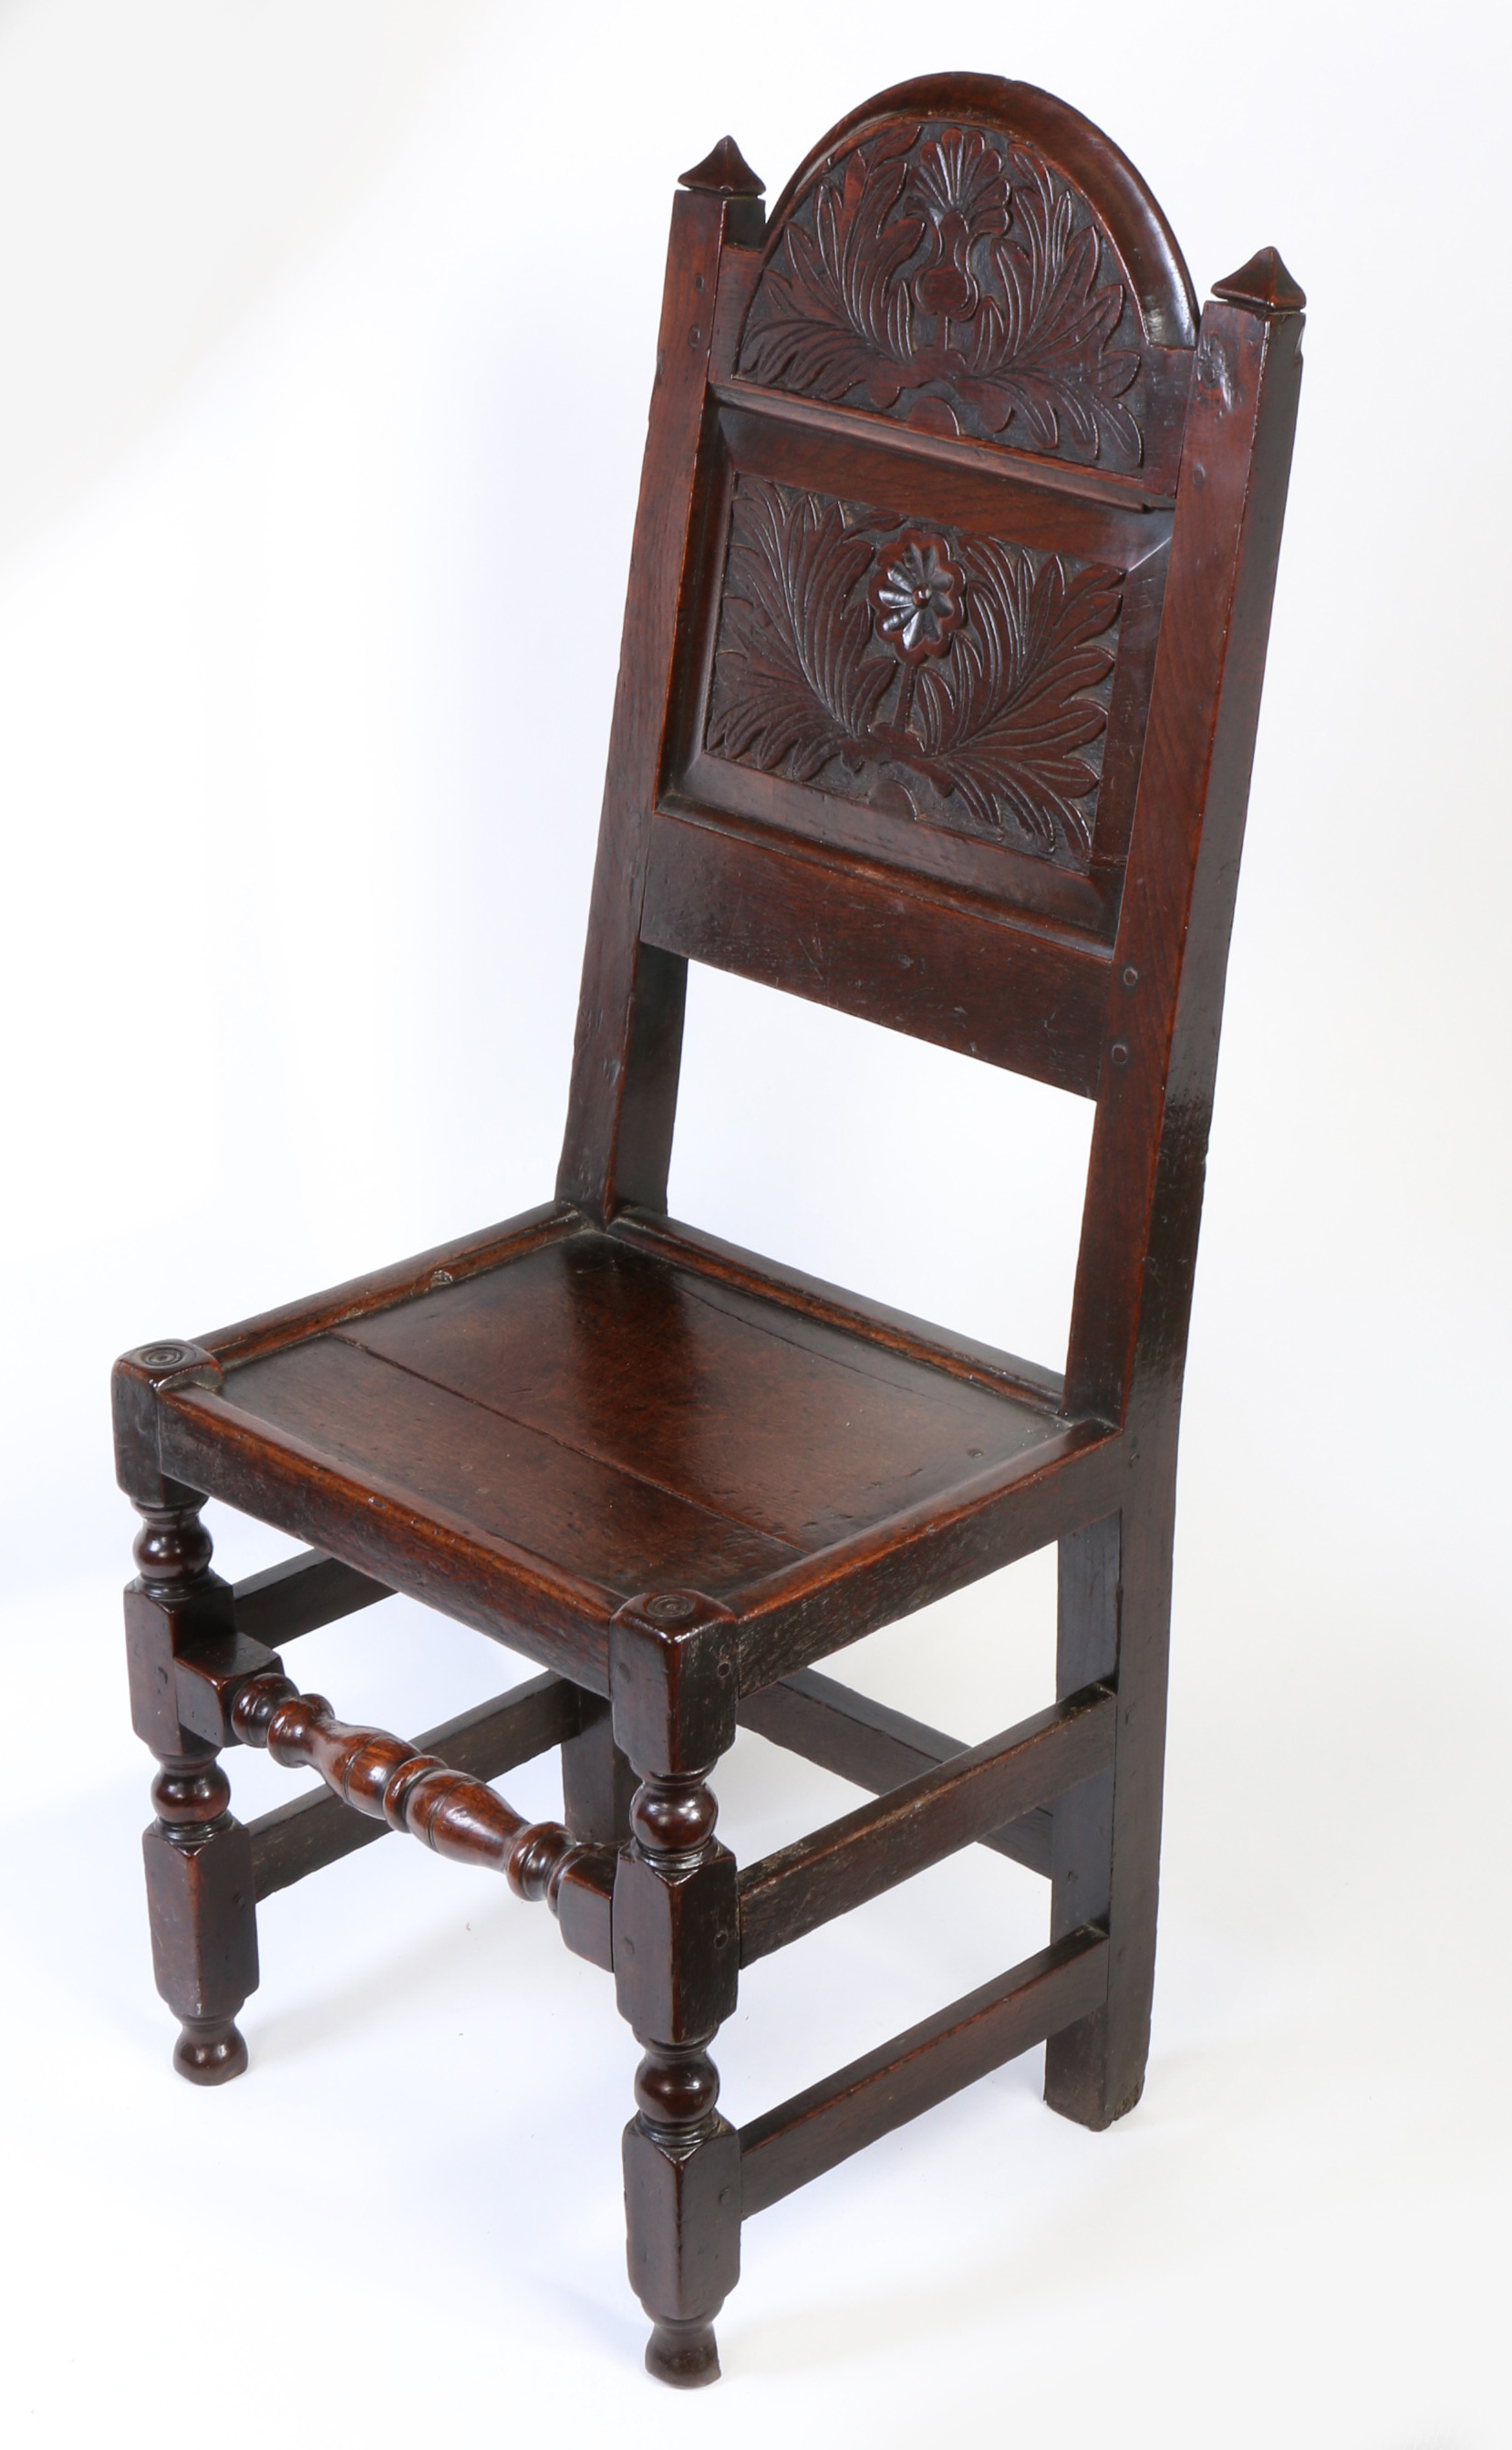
(1115, 1622)
(1077, 2070)
(204, 1923)
(682, 2218)
(683, 2354)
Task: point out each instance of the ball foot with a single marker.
(683, 2354)
(209, 2051)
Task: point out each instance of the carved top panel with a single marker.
(957, 680)
(950, 276)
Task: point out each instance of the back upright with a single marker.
(913, 528)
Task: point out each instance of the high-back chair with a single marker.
(941, 665)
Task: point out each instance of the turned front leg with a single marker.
(198, 1858)
(676, 1967)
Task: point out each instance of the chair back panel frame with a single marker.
(1101, 974)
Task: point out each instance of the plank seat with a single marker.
(606, 1418)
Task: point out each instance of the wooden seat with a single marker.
(942, 668)
(608, 1413)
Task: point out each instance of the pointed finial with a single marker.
(1264, 281)
(723, 172)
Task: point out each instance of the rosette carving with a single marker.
(961, 677)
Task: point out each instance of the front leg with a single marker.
(676, 1969)
(198, 1858)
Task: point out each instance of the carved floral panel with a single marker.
(954, 679)
(949, 276)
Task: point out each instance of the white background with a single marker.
(327, 332)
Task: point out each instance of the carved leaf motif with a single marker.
(793, 681)
(1000, 719)
(840, 316)
(937, 262)
(1042, 353)
(983, 715)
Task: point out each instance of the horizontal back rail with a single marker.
(971, 980)
(978, 461)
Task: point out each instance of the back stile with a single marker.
(629, 1023)
(1165, 995)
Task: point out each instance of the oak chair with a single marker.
(942, 656)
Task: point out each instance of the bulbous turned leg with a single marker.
(683, 2354)
(673, 1682)
(198, 1859)
(196, 1907)
(681, 2160)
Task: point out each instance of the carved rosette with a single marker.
(956, 679)
(949, 276)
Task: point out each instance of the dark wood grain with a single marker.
(874, 1746)
(1089, 1604)
(805, 1610)
(959, 1801)
(273, 1330)
(852, 1314)
(1137, 1261)
(1141, 233)
(817, 2129)
(972, 981)
(299, 1838)
(517, 1482)
(196, 1854)
(846, 441)
(624, 1090)
(885, 823)
(1060, 362)
(598, 1781)
(545, 1611)
(676, 1933)
(300, 1595)
(786, 1431)
(1165, 990)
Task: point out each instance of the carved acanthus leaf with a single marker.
(795, 684)
(842, 316)
(948, 275)
(1042, 353)
(958, 675)
(1000, 719)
